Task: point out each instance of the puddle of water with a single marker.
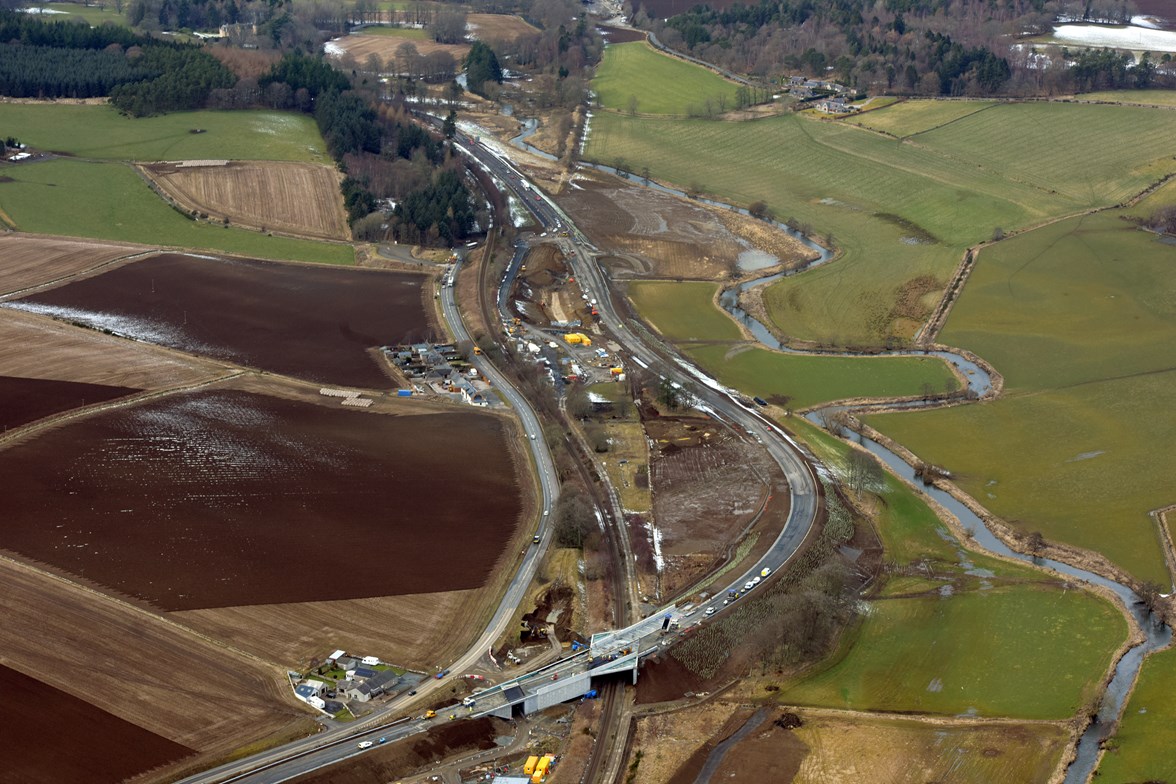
(754, 259)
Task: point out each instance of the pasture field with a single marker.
(683, 311)
(410, 33)
(1141, 748)
(970, 631)
(85, 743)
(31, 261)
(93, 15)
(99, 131)
(845, 750)
(1148, 97)
(660, 84)
(908, 118)
(385, 44)
(1076, 317)
(900, 213)
(314, 323)
(171, 501)
(809, 380)
(295, 198)
(988, 651)
(109, 201)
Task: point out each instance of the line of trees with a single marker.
(384, 154)
(51, 72)
(141, 75)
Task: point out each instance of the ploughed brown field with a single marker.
(24, 400)
(66, 353)
(51, 737)
(499, 27)
(384, 47)
(30, 261)
(313, 323)
(295, 198)
(224, 498)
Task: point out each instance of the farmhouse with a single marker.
(311, 690)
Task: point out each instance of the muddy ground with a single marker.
(222, 498)
(651, 234)
(756, 747)
(391, 762)
(313, 323)
(708, 486)
(24, 400)
(55, 738)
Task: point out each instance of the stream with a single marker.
(1127, 669)
(979, 384)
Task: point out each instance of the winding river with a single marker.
(979, 384)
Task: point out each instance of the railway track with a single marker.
(611, 695)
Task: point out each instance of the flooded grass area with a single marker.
(224, 498)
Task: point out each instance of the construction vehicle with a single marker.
(477, 351)
(517, 321)
(430, 714)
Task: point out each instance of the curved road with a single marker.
(320, 751)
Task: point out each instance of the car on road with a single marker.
(535, 539)
(747, 586)
(765, 572)
(365, 744)
(757, 579)
(412, 693)
(710, 611)
(382, 740)
(441, 674)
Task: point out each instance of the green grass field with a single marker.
(987, 636)
(686, 313)
(101, 132)
(900, 212)
(1142, 748)
(1150, 97)
(912, 117)
(410, 33)
(683, 311)
(1079, 318)
(92, 14)
(1033, 651)
(809, 380)
(660, 84)
(109, 201)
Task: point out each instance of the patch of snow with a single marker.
(43, 11)
(333, 49)
(1125, 37)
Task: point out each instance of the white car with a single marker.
(757, 579)
(365, 744)
(710, 610)
(747, 586)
